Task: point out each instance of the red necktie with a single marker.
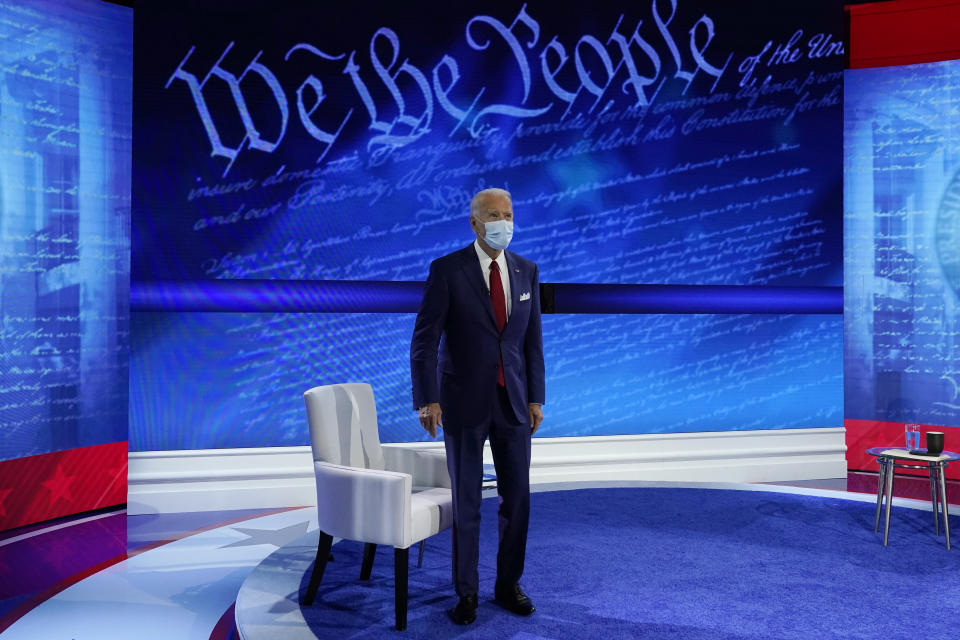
(499, 309)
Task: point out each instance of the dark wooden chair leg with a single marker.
(323, 554)
(400, 565)
(369, 549)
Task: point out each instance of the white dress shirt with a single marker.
(504, 273)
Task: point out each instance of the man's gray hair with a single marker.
(486, 193)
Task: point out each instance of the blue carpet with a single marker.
(691, 564)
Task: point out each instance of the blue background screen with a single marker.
(665, 143)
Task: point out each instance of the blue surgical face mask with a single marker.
(499, 234)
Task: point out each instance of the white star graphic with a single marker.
(276, 537)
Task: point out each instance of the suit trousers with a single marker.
(510, 445)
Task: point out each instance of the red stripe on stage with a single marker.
(225, 625)
(62, 483)
(28, 605)
(900, 32)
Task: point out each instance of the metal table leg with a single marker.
(941, 473)
(880, 480)
(933, 499)
(886, 524)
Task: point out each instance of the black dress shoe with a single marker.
(513, 599)
(466, 610)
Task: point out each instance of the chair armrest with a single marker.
(367, 505)
(427, 467)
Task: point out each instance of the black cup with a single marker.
(934, 442)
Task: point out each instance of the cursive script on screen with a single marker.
(632, 66)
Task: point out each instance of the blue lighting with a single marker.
(600, 298)
(365, 296)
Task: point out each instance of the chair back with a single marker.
(343, 425)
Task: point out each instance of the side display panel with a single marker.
(65, 123)
(902, 228)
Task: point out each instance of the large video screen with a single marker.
(665, 142)
(902, 227)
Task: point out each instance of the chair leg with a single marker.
(369, 549)
(401, 558)
(323, 554)
(420, 554)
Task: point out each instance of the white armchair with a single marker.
(396, 499)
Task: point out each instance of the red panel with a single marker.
(916, 488)
(903, 32)
(62, 483)
(863, 434)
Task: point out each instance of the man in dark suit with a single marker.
(476, 362)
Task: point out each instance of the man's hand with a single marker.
(535, 413)
(430, 418)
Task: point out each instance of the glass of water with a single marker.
(913, 436)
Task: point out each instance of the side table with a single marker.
(891, 458)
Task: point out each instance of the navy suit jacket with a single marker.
(456, 346)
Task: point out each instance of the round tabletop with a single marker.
(903, 454)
